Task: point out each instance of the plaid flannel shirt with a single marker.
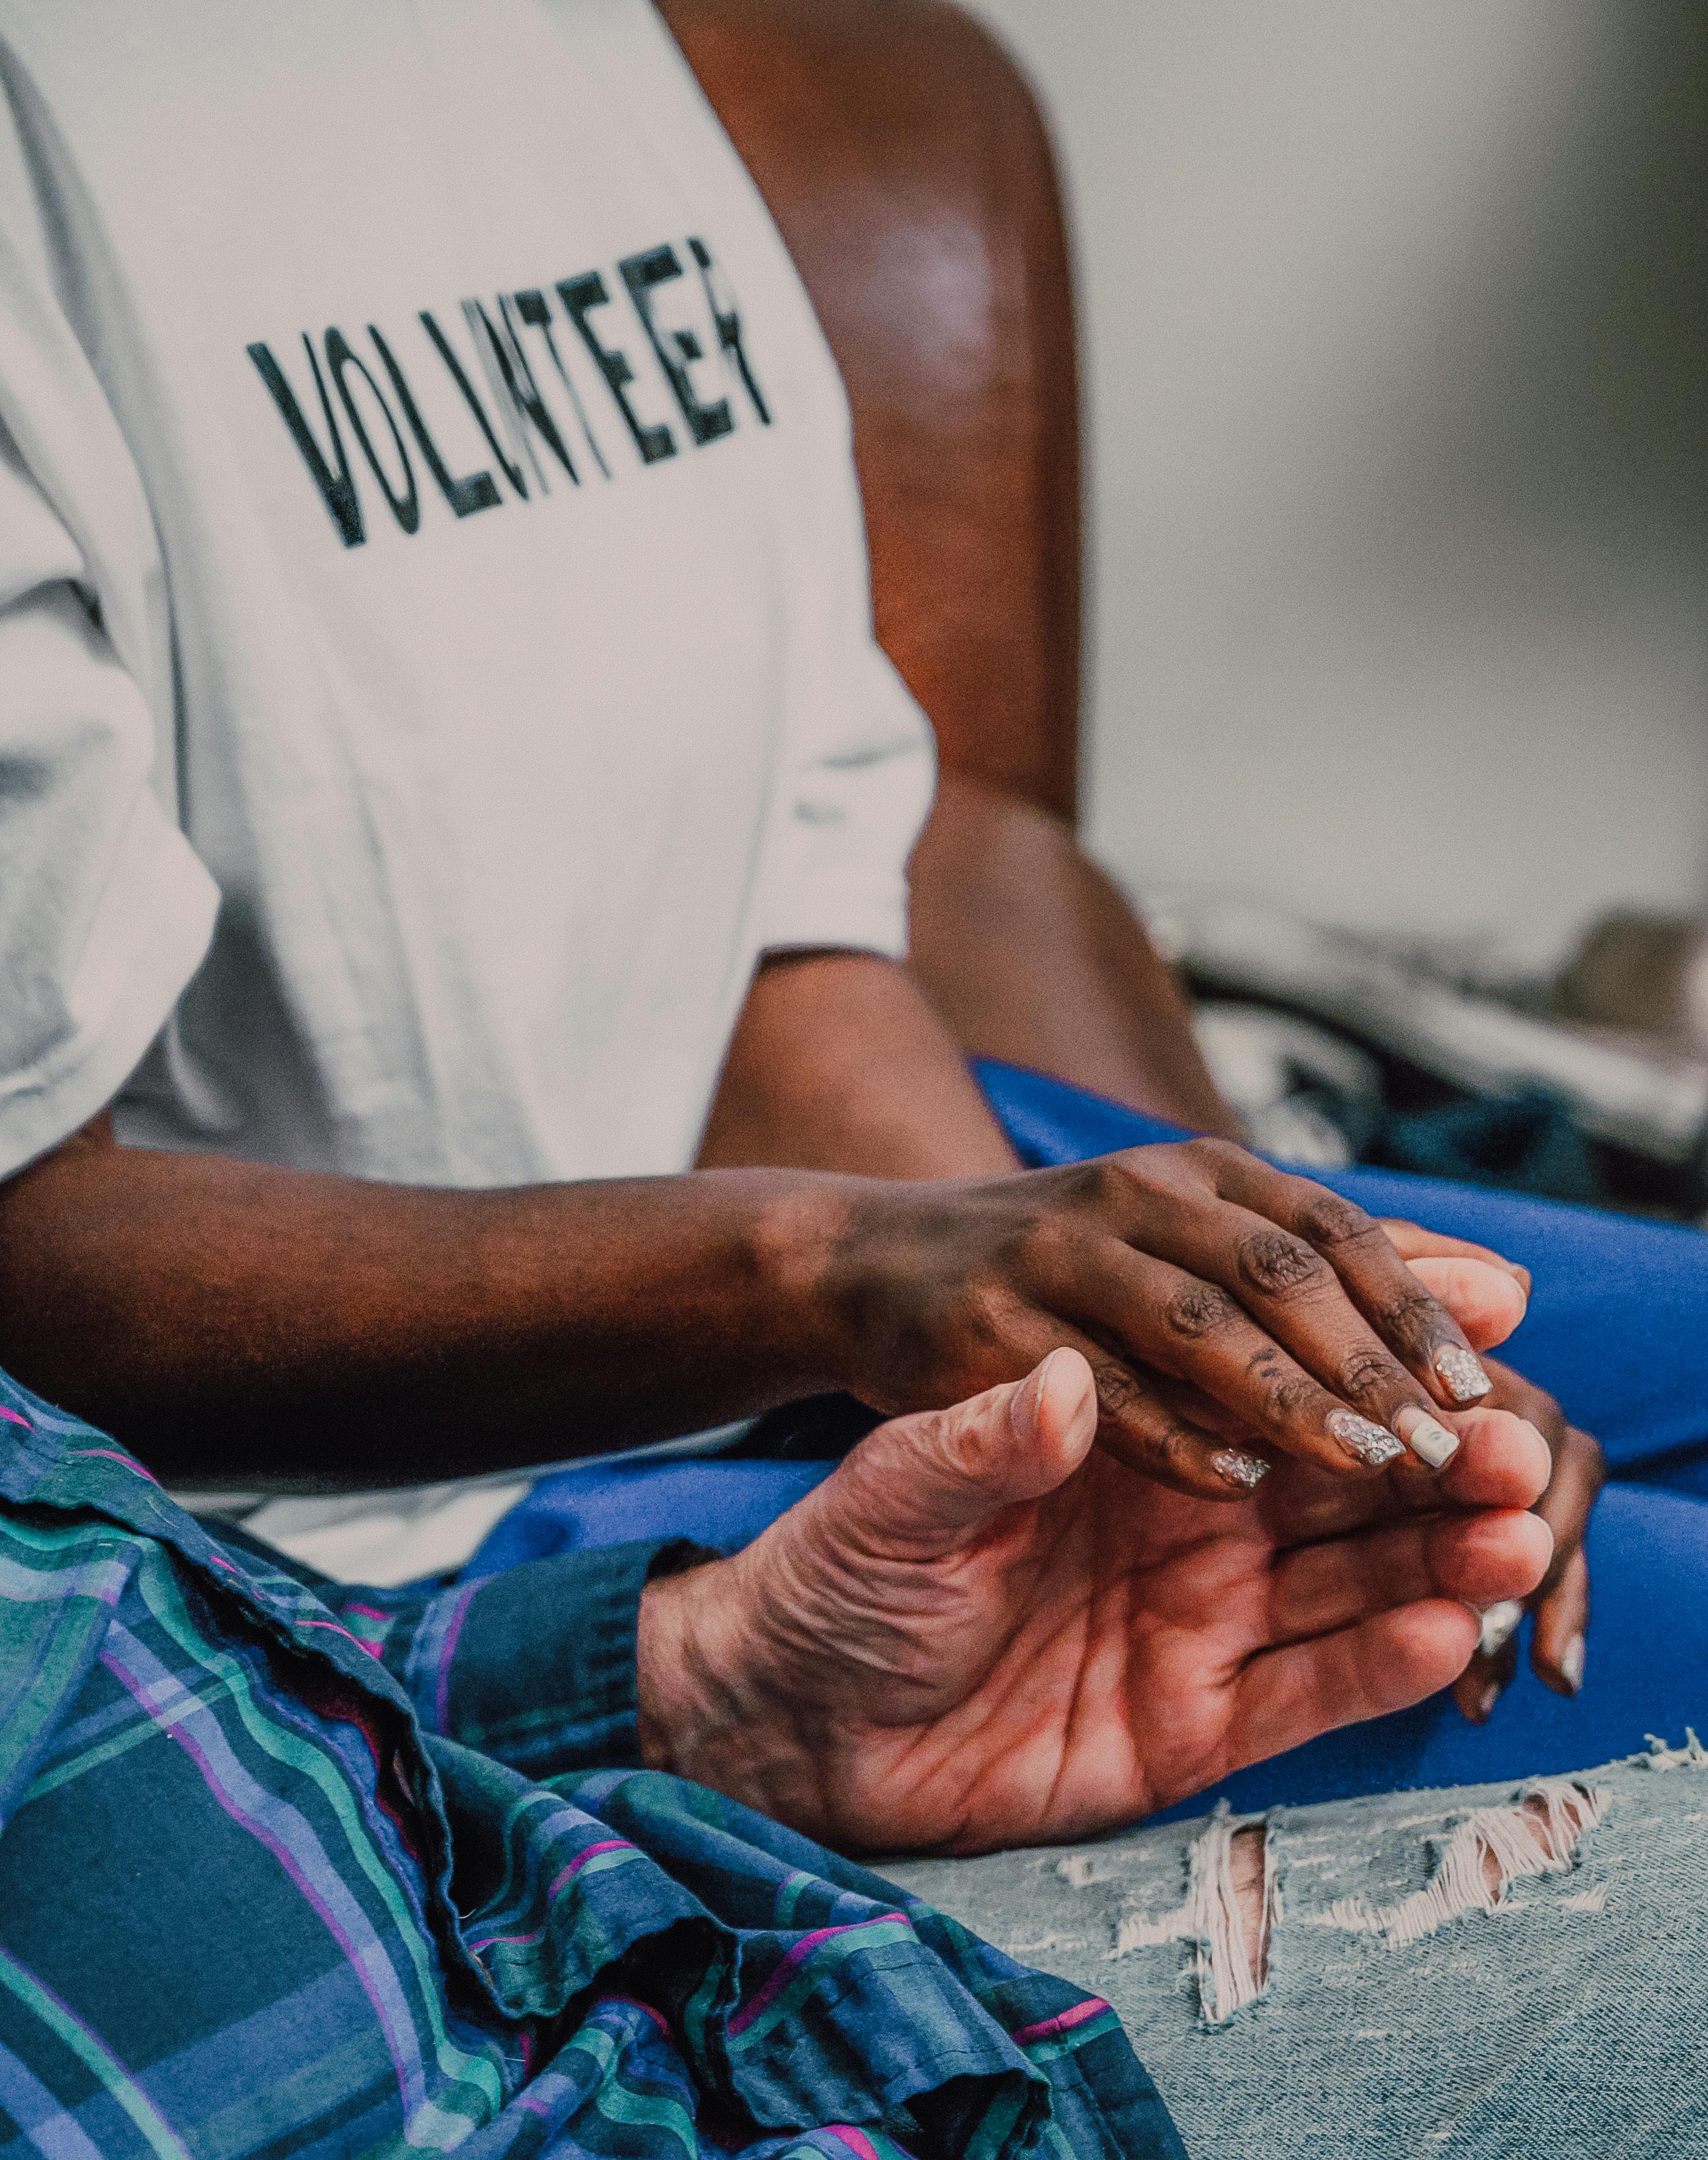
(287, 1868)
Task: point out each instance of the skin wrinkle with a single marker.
(1279, 1266)
(1198, 1309)
(1337, 1222)
(1416, 1319)
(1367, 1373)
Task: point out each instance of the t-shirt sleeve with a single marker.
(851, 804)
(105, 911)
(858, 769)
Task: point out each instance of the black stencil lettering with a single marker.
(476, 490)
(580, 296)
(405, 508)
(337, 488)
(728, 317)
(512, 473)
(516, 381)
(641, 273)
(535, 309)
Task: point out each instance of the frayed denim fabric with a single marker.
(1498, 1972)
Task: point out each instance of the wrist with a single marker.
(802, 1223)
(704, 1708)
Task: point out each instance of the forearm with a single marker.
(1033, 955)
(839, 1062)
(234, 1320)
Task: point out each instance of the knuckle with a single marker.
(1197, 1309)
(1325, 1219)
(1213, 1155)
(1178, 1454)
(1120, 1393)
(1275, 1264)
(1292, 1394)
(1369, 1375)
(1100, 1184)
(986, 1314)
(1412, 1317)
(1287, 1391)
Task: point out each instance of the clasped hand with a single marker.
(1232, 1315)
(1076, 1595)
(983, 1630)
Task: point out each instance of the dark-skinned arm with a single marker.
(237, 1321)
(840, 1061)
(1033, 954)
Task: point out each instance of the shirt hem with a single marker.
(41, 1115)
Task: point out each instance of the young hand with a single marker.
(1230, 1312)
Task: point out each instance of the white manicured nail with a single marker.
(1498, 1622)
(1571, 1664)
(1427, 1437)
(1370, 1443)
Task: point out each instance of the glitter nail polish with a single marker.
(1245, 1471)
(1461, 1374)
(1370, 1442)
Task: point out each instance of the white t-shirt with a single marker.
(433, 611)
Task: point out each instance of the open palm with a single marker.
(982, 1631)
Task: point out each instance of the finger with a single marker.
(1480, 1687)
(941, 1473)
(1502, 1462)
(1385, 1663)
(1562, 1623)
(1139, 1427)
(1412, 1242)
(1579, 1471)
(1195, 1332)
(1485, 1300)
(1299, 1221)
(1479, 1559)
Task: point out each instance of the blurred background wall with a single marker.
(1395, 321)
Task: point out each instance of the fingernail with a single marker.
(1487, 1701)
(1028, 1401)
(1498, 1622)
(1571, 1664)
(1370, 1443)
(1461, 1374)
(1248, 1472)
(1427, 1437)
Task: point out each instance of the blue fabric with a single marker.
(584, 1508)
(378, 1872)
(1617, 1329)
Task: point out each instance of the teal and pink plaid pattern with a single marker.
(287, 1869)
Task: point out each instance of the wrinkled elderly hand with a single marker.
(1561, 1601)
(983, 1630)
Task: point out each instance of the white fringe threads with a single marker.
(1227, 1977)
(1490, 1850)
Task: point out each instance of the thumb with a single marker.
(937, 1472)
